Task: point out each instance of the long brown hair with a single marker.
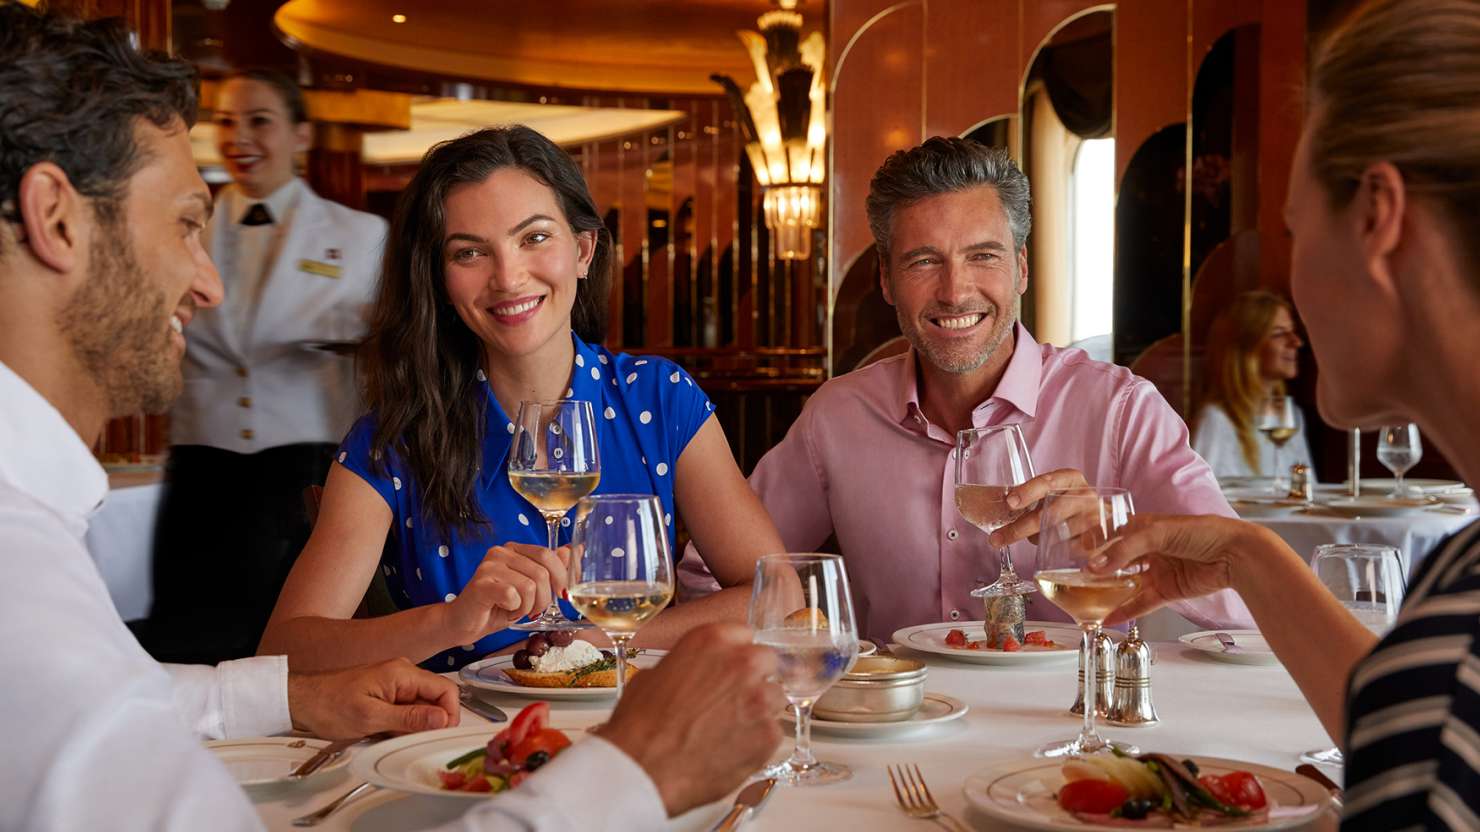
(1399, 82)
(421, 360)
(1231, 379)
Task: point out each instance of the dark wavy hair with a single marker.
(421, 361)
(71, 93)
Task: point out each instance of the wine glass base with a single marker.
(545, 624)
(1077, 748)
(1001, 589)
(1324, 757)
(817, 774)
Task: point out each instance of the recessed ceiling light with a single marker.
(398, 18)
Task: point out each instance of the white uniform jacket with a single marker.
(254, 380)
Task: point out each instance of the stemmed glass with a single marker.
(1399, 449)
(553, 462)
(801, 608)
(1276, 420)
(1077, 524)
(989, 463)
(621, 572)
(1368, 580)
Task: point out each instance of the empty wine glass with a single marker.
(1399, 449)
(1368, 580)
(801, 608)
(553, 462)
(1276, 420)
(621, 572)
(1077, 524)
(989, 463)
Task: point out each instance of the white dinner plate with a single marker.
(1267, 507)
(1252, 648)
(1358, 507)
(931, 638)
(866, 648)
(410, 763)
(488, 674)
(1022, 792)
(259, 761)
(936, 708)
(1435, 488)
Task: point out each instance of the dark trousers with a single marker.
(230, 527)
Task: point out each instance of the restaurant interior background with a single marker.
(753, 265)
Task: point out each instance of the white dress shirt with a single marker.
(97, 735)
(252, 249)
(1216, 441)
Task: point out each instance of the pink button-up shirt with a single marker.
(862, 462)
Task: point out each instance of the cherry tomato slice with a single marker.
(956, 638)
(1010, 645)
(531, 720)
(1095, 797)
(1236, 788)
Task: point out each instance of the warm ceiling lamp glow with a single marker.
(783, 117)
(398, 18)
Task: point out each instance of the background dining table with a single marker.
(1251, 713)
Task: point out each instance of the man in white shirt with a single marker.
(101, 268)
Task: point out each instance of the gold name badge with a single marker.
(320, 269)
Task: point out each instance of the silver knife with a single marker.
(1229, 646)
(490, 712)
(749, 801)
(322, 758)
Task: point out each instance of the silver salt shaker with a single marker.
(1131, 702)
(1104, 677)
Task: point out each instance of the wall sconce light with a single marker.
(783, 119)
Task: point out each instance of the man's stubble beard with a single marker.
(114, 326)
(1002, 328)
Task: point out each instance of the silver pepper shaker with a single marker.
(1004, 617)
(1302, 487)
(1104, 677)
(1131, 702)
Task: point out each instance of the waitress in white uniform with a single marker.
(265, 402)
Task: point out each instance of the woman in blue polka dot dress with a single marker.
(494, 291)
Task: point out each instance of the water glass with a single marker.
(1399, 449)
(989, 463)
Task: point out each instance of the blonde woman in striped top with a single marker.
(1384, 207)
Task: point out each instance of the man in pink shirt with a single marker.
(871, 460)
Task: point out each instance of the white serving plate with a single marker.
(261, 761)
(931, 638)
(489, 675)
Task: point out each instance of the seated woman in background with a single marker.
(1384, 210)
(1252, 351)
(494, 291)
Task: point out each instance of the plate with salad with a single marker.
(467, 762)
(1148, 791)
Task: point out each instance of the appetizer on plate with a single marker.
(558, 659)
(1036, 638)
(513, 753)
(1156, 791)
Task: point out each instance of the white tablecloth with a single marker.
(1414, 535)
(1207, 707)
(120, 538)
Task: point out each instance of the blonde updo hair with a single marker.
(1399, 82)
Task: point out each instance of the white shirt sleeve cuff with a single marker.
(612, 787)
(254, 696)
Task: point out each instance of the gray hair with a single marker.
(946, 165)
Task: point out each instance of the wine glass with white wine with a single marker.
(553, 462)
(1076, 525)
(1368, 579)
(989, 463)
(621, 572)
(1276, 420)
(1399, 449)
(801, 608)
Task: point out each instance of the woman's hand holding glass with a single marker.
(514, 580)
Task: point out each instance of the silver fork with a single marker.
(915, 799)
(316, 818)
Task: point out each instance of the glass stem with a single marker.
(620, 640)
(1087, 737)
(553, 612)
(1004, 555)
(801, 758)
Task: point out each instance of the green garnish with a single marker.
(600, 665)
(467, 758)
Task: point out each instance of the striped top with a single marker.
(1413, 731)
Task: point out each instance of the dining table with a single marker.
(1206, 707)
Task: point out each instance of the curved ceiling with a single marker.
(657, 46)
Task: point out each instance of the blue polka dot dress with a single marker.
(647, 409)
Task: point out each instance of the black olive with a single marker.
(1190, 766)
(537, 645)
(1136, 808)
(536, 760)
(521, 660)
(608, 655)
(561, 638)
